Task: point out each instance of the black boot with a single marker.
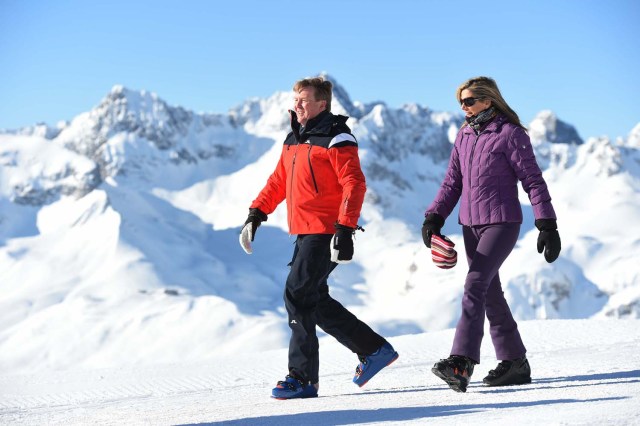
(455, 370)
(509, 372)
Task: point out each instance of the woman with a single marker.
(492, 152)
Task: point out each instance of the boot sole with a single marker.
(523, 381)
(280, 398)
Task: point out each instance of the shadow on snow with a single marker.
(344, 417)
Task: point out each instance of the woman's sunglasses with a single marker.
(469, 101)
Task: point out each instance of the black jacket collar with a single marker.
(321, 124)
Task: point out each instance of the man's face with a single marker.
(306, 106)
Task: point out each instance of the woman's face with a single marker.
(467, 97)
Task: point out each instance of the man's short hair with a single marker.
(321, 87)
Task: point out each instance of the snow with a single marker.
(31, 165)
(585, 372)
(126, 298)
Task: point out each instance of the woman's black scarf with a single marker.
(477, 121)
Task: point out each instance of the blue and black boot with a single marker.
(291, 388)
(370, 365)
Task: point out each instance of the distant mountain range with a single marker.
(122, 224)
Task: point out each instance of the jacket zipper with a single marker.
(290, 205)
(473, 148)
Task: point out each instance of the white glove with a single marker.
(245, 238)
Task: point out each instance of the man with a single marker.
(320, 177)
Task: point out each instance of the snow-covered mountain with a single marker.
(118, 231)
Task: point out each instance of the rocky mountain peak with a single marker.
(341, 102)
(546, 126)
(634, 137)
(142, 113)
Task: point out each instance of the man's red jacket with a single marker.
(320, 176)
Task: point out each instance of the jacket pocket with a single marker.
(313, 175)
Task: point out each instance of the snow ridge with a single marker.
(122, 225)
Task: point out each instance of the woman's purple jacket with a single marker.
(483, 173)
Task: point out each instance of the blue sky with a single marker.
(579, 58)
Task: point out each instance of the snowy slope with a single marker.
(118, 231)
(585, 372)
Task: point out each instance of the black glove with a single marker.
(433, 223)
(342, 244)
(548, 239)
(256, 217)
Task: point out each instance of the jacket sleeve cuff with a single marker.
(546, 224)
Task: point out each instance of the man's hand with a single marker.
(342, 244)
(248, 233)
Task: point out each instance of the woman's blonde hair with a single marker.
(486, 88)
